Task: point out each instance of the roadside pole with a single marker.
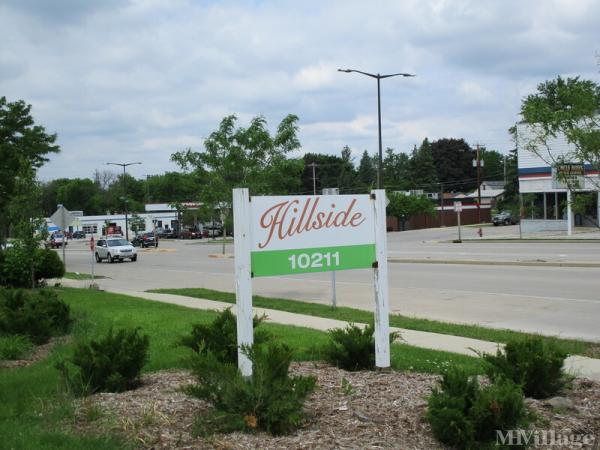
(63, 249)
(328, 191)
(458, 209)
(92, 248)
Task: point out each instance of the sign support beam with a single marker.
(380, 279)
(243, 279)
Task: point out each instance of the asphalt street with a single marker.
(551, 300)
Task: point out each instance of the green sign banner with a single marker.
(318, 259)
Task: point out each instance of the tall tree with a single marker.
(22, 142)
(454, 164)
(422, 168)
(367, 171)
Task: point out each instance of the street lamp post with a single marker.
(124, 165)
(378, 77)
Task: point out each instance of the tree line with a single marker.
(249, 156)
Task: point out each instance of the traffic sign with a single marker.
(62, 217)
(92, 244)
(457, 206)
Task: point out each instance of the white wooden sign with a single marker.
(300, 234)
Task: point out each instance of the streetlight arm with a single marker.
(359, 71)
(377, 76)
(397, 75)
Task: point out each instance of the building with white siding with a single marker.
(547, 201)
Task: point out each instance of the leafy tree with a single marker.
(493, 168)
(568, 108)
(367, 171)
(249, 157)
(422, 168)
(137, 224)
(454, 164)
(22, 144)
(331, 171)
(396, 170)
(172, 187)
(132, 192)
(80, 194)
(405, 206)
(49, 195)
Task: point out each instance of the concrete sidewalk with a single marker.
(579, 366)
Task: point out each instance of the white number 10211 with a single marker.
(314, 260)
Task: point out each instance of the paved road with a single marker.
(550, 300)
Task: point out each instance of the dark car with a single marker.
(503, 218)
(78, 235)
(145, 240)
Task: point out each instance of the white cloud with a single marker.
(116, 78)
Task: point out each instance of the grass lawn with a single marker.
(572, 346)
(35, 409)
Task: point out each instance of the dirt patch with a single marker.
(348, 410)
(40, 352)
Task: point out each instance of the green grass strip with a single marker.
(35, 411)
(572, 346)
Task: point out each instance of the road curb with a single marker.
(494, 263)
(530, 240)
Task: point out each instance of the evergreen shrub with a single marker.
(271, 400)
(534, 363)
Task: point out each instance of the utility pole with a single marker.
(313, 165)
(478, 185)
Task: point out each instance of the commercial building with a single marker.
(547, 199)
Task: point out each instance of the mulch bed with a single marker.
(348, 410)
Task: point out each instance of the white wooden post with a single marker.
(569, 214)
(243, 281)
(382, 325)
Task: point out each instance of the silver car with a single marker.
(115, 249)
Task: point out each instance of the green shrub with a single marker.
(270, 400)
(16, 270)
(17, 263)
(48, 265)
(37, 314)
(220, 336)
(110, 364)
(352, 348)
(14, 347)
(534, 363)
(466, 416)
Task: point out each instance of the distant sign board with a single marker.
(568, 175)
(457, 207)
(311, 234)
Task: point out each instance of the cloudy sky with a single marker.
(136, 80)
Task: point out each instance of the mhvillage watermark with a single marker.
(547, 438)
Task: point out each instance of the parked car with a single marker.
(191, 233)
(145, 240)
(114, 249)
(55, 241)
(210, 231)
(503, 218)
(78, 235)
